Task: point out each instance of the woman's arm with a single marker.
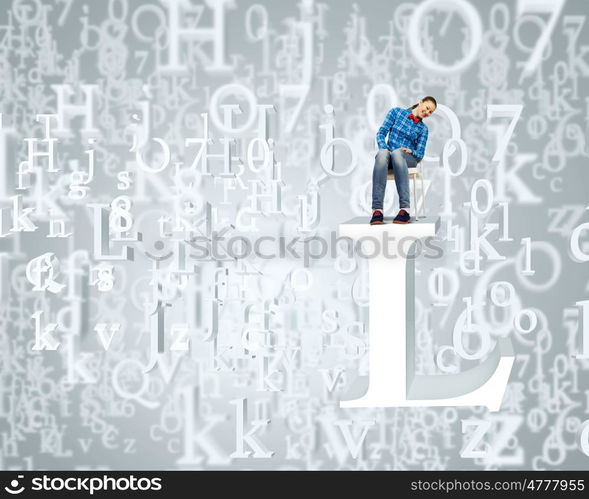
(419, 152)
(385, 127)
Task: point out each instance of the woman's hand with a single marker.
(408, 151)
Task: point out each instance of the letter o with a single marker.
(470, 16)
(575, 246)
(584, 437)
(488, 188)
(262, 31)
(532, 318)
(232, 89)
(324, 158)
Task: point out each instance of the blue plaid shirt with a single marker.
(403, 132)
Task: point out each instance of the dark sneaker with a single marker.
(377, 218)
(402, 218)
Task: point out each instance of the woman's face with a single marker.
(424, 109)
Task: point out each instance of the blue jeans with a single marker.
(399, 161)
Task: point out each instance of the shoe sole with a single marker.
(396, 222)
(376, 223)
